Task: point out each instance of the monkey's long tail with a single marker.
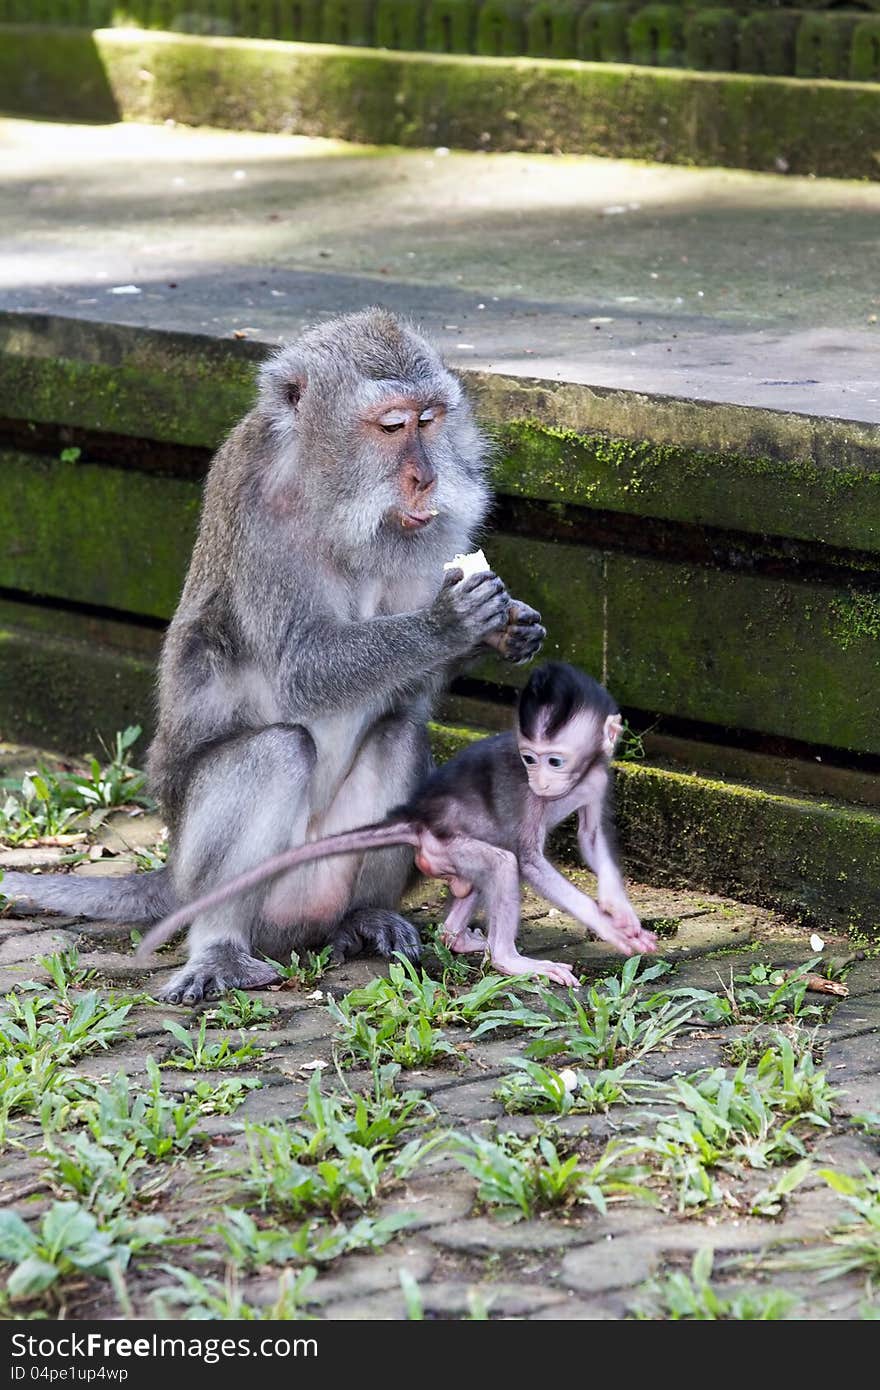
(368, 837)
(134, 898)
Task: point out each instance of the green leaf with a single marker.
(67, 1224)
(179, 1032)
(17, 1240)
(31, 1277)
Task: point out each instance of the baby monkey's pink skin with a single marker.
(480, 823)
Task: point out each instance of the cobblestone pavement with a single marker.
(464, 1257)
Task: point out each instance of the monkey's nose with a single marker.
(419, 477)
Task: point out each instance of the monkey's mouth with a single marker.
(417, 520)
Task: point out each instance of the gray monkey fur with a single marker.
(298, 672)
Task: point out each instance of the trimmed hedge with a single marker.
(773, 40)
(450, 26)
(864, 59)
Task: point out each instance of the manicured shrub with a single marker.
(823, 44)
(767, 42)
(348, 21)
(656, 36)
(711, 40)
(450, 26)
(601, 34)
(500, 29)
(551, 29)
(399, 24)
(300, 20)
(864, 53)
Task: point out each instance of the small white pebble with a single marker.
(569, 1079)
(317, 994)
(816, 944)
(124, 289)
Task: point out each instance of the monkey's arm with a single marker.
(598, 855)
(540, 874)
(331, 665)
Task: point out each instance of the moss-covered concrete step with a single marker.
(762, 472)
(816, 126)
(771, 654)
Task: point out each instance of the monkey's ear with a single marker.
(611, 733)
(293, 390)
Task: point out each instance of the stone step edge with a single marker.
(808, 126)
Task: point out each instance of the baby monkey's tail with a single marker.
(378, 836)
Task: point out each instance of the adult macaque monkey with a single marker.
(315, 626)
(481, 821)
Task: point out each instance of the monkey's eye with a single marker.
(529, 759)
(556, 761)
(426, 418)
(392, 429)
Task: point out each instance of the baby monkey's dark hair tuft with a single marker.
(558, 692)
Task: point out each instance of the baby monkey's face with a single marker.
(555, 765)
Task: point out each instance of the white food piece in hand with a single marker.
(816, 944)
(476, 563)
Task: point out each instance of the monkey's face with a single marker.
(556, 765)
(375, 437)
(403, 432)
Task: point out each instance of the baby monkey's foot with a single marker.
(523, 965)
(468, 939)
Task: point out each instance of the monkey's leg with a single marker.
(247, 800)
(540, 874)
(495, 873)
(392, 762)
(456, 933)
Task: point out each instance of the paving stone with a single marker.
(123, 831)
(117, 866)
(580, 1310)
(42, 857)
(28, 944)
(374, 1273)
(482, 1234)
(452, 1299)
(431, 1200)
(857, 1015)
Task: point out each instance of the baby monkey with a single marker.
(480, 823)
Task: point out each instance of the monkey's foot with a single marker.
(468, 939)
(213, 971)
(374, 931)
(516, 964)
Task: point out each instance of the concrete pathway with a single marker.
(713, 284)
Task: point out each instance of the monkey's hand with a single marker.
(469, 611)
(522, 635)
(618, 907)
